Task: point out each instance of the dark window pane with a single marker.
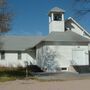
(2, 55)
(57, 17)
(19, 55)
(64, 68)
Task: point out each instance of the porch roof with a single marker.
(18, 43)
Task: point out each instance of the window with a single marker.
(19, 56)
(57, 17)
(63, 68)
(2, 55)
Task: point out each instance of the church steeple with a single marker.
(56, 20)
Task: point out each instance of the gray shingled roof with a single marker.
(66, 37)
(24, 42)
(56, 9)
(19, 42)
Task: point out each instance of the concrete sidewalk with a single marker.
(60, 76)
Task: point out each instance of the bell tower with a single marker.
(56, 20)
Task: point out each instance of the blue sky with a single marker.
(31, 16)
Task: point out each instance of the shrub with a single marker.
(18, 72)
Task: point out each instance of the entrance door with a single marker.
(78, 57)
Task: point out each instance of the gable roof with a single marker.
(22, 43)
(67, 36)
(19, 42)
(72, 20)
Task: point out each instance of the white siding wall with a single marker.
(39, 55)
(76, 29)
(73, 27)
(62, 55)
(56, 26)
(11, 60)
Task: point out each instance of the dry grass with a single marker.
(10, 73)
(4, 79)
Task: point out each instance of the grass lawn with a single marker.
(4, 79)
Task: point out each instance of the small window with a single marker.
(2, 55)
(64, 68)
(19, 56)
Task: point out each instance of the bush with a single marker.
(18, 72)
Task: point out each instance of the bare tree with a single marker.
(81, 8)
(5, 17)
(49, 61)
(78, 7)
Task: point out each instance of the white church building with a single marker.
(66, 45)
